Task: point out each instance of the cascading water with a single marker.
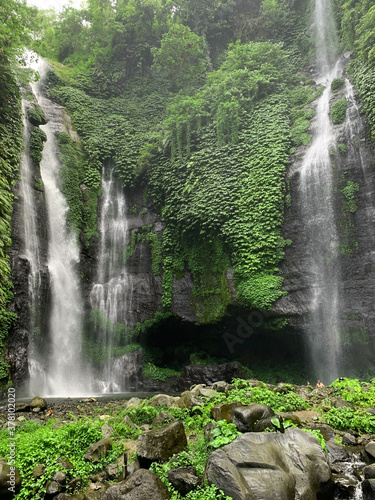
(62, 364)
(32, 250)
(111, 296)
(316, 191)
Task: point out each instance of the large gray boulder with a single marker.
(272, 466)
(142, 485)
(161, 444)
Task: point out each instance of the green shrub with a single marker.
(158, 373)
(37, 138)
(36, 115)
(338, 111)
(349, 191)
(336, 84)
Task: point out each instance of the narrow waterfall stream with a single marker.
(62, 365)
(316, 191)
(111, 294)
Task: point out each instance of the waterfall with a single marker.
(62, 367)
(111, 294)
(32, 250)
(316, 192)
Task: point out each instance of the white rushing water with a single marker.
(316, 191)
(32, 251)
(111, 294)
(62, 369)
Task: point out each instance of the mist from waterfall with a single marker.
(316, 191)
(111, 294)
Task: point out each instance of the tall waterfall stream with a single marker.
(111, 294)
(60, 370)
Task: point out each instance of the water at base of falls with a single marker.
(59, 369)
(111, 294)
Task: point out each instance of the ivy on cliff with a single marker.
(221, 191)
(10, 149)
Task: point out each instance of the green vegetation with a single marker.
(210, 147)
(47, 443)
(338, 111)
(76, 171)
(15, 19)
(337, 84)
(37, 138)
(44, 444)
(349, 191)
(36, 115)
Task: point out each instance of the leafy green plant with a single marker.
(280, 424)
(346, 418)
(223, 434)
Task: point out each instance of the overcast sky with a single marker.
(54, 4)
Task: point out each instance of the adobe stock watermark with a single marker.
(11, 424)
(245, 329)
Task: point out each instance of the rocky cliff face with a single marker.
(352, 162)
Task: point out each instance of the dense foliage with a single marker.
(15, 19)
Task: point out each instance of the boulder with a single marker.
(39, 471)
(142, 485)
(336, 453)
(112, 471)
(188, 400)
(59, 477)
(325, 430)
(183, 479)
(160, 444)
(368, 489)
(208, 374)
(132, 467)
(53, 488)
(38, 403)
(224, 411)
(132, 403)
(219, 386)
(8, 476)
(370, 449)
(369, 471)
(107, 430)
(248, 418)
(340, 403)
(163, 418)
(98, 450)
(348, 439)
(272, 466)
(163, 400)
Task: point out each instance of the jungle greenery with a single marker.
(199, 104)
(48, 442)
(16, 19)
